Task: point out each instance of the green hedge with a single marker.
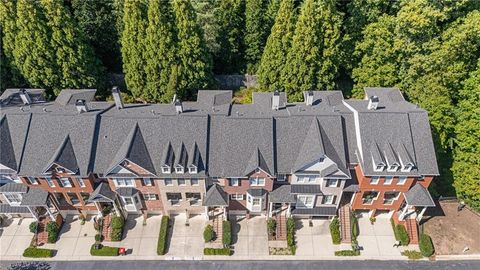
(117, 228)
(208, 233)
(291, 234)
(227, 233)
(162, 238)
(354, 226)
(335, 231)
(217, 251)
(33, 252)
(104, 251)
(400, 233)
(52, 230)
(271, 226)
(426, 245)
(347, 252)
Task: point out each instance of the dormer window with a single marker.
(192, 169)
(393, 167)
(379, 167)
(407, 167)
(166, 169)
(179, 169)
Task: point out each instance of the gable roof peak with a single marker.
(65, 156)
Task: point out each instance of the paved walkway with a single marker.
(15, 237)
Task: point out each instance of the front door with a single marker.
(254, 204)
(131, 204)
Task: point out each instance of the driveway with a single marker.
(186, 242)
(250, 237)
(377, 239)
(15, 237)
(316, 240)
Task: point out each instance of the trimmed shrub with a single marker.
(347, 252)
(208, 233)
(104, 251)
(227, 233)
(52, 230)
(354, 227)
(98, 237)
(291, 234)
(117, 228)
(217, 251)
(33, 252)
(400, 233)
(412, 254)
(335, 231)
(33, 227)
(162, 238)
(426, 245)
(271, 226)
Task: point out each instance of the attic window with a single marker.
(322, 159)
(393, 167)
(379, 167)
(166, 169)
(179, 169)
(192, 169)
(407, 167)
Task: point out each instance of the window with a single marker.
(321, 160)
(407, 167)
(305, 201)
(147, 182)
(375, 180)
(281, 178)
(379, 167)
(234, 182)
(32, 180)
(306, 179)
(388, 180)
(80, 181)
(65, 182)
(332, 182)
(393, 167)
(13, 198)
(150, 197)
(402, 180)
(328, 199)
(50, 181)
(124, 182)
(369, 197)
(311, 179)
(174, 198)
(192, 169)
(127, 200)
(179, 169)
(165, 169)
(258, 181)
(256, 201)
(73, 198)
(85, 197)
(390, 196)
(236, 197)
(194, 182)
(61, 198)
(168, 182)
(182, 182)
(193, 198)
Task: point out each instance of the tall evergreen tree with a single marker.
(78, 66)
(274, 58)
(160, 51)
(466, 167)
(207, 19)
(256, 33)
(96, 19)
(229, 58)
(312, 62)
(195, 64)
(133, 46)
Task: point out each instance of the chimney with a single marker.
(275, 100)
(178, 106)
(81, 105)
(309, 98)
(117, 97)
(372, 103)
(25, 97)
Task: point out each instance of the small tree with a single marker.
(208, 234)
(33, 227)
(335, 231)
(426, 245)
(52, 230)
(227, 233)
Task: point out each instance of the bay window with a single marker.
(305, 201)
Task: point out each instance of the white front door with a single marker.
(132, 204)
(254, 204)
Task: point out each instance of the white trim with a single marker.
(357, 127)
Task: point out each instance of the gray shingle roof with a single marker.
(13, 187)
(7, 153)
(418, 196)
(102, 193)
(12, 97)
(316, 211)
(35, 197)
(65, 156)
(8, 209)
(126, 191)
(69, 96)
(306, 189)
(215, 197)
(257, 192)
(281, 194)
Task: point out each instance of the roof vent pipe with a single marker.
(178, 106)
(372, 103)
(275, 100)
(309, 98)
(117, 97)
(81, 105)
(25, 97)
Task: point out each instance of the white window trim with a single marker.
(166, 169)
(123, 182)
(13, 193)
(332, 186)
(393, 167)
(150, 196)
(191, 182)
(81, 182)
(179, 181)
(68, 181)
(34, 182)
(179, 169)
(281, 177)
(378, 167)
(328, 196)
(303, 202)
(237, 197)
(373, 199)
(394, 199)
(374, 177)
(170, 180)
(255, 181)
(385, 180)
(407, 167)
(145, 182)
(192, 169)
(404, 182)
(50, 181)
(234, 182)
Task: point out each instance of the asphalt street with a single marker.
(250, 265)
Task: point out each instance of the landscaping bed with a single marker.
(103, 251)
(162, 238)
(217, 251)
(335, 231)
(33, 252)
(400, 233)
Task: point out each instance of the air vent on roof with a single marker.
(117, 97)
(25, 97)
(178, 107)
(81, 105)
(275, 100)
(309, 98)
(372, 103)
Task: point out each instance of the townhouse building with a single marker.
(211, 157)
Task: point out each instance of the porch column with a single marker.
(270, 209)
(116, 208)
(224, 213)
(403, 213)
(98, 207)
(50, 213)
(419, 217)
(289, 207)
(206, 212)
(33, 213)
